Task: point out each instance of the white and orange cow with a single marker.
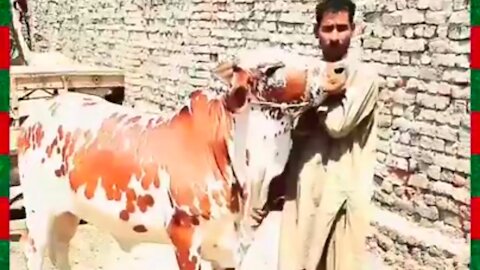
(189, 180)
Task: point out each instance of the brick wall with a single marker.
(420, 47)
(168, 47)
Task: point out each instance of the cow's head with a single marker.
(267, 90)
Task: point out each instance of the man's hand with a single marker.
(258, 215)
(334, 79)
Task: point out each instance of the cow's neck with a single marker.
(259, 149)
(212, 128)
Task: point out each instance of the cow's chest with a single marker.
(147, 224)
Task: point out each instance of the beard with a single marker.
(333, 52)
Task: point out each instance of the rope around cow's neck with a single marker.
(298, 108)
(282, 106)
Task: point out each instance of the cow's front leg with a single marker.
(186, 238)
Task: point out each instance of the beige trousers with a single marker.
(324, 224)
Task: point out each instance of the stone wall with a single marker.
(420, 48)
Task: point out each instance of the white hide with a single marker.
(267, 154)
(268, 143)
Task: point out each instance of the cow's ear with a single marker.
(236, 100)
(224, 72)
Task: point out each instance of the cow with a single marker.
(189, 180)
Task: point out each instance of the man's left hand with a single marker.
(334, 80)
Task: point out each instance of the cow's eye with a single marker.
(271, 70)
(339, 70)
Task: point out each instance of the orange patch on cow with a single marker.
(144, 202)
(124, 215)
(30, 138)
(294, 90)
(131, 198)
(189, 147)
(60, 132)
(237, 199)
(140, 229)
(50, 148)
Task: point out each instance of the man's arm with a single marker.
(358, 102)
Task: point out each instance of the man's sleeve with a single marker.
(359, 100)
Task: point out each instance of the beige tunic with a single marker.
(331, 168)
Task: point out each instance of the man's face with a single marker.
(334, 34)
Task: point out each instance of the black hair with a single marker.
(334, 6)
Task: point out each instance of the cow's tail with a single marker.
(22, 119)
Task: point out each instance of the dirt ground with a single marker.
(92, 249)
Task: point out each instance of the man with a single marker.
(331, 167)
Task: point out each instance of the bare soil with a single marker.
(93, 249)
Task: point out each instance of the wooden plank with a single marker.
(17, 226)
(65, 75)
(63, 69)
(70, 81)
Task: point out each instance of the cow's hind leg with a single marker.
(64, 228)
(39, 226)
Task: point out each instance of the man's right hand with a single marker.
(334, 79)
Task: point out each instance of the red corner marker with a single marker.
(475, 43)
(4, 133)
(4, 219)
(474, 217)
(475, 133)
(4, 47)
